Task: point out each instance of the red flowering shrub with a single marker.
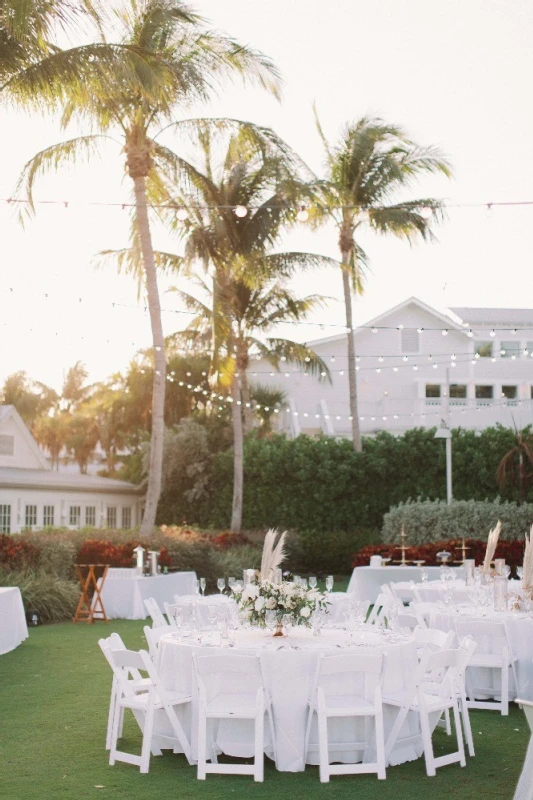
(512, 552)
(16, 553)
(225, 540)
(101, 551)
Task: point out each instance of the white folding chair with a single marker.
(153, 636)
(385, 589)
(432, 640)
(158, 618)
(430, 594)
(466, 649)
(378, 612)
(492, 652)
(362, 675)
(436, 691)
(137, 683)
(405, 592)
(145, 704)
(409, 620)
(230, 687)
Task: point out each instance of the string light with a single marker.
(302, 215)
(240, 211)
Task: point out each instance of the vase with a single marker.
(279, 630)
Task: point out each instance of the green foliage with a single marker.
(52, 598)
(432, 521)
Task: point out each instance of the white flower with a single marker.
(305, 612)
(271, 602)
(259, 604)
(252, 590)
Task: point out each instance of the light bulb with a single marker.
(493, 333)
(374, 330)
(182, 214)
(470, 333)
(426, 212)
(302, 215)
(445, 332)
(240, 211)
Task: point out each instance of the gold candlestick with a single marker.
(403, 548)
(464, 550)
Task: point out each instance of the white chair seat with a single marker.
(341, 705)
(492, 660)
(234, 705)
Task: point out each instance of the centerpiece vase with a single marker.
(279, 630)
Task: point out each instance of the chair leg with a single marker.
(380, 745)
(112, 711)
(459, 734)
(448, 723)
(273, 733)
(323, 755)
(259, 747)
(114, 735)
(466, 723)
(202, 745)
(148, 730)
(505, 691)
(429, 756)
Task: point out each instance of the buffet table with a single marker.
(124, 591)
(365, 582)
(13, 629)
(289, 675)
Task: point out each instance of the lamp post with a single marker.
(444, 432)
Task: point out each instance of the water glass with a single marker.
(221, 584)
(196, 586)
(424, 574)
(520, 572)
(329, 583)
(286, 621)
(212, 614)
(231, 583)
(202, 586)
(312, 582)
(271, 620)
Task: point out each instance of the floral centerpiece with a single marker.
(264, 592)
(259, 596)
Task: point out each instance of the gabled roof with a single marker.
(504, 317)
(10, 412)
(50, 479)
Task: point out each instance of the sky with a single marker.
(455, 74)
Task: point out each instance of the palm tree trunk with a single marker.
(238, 456)
(158, 392)
(245, 393)
(352, 375)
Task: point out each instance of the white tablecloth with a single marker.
(289, 675)
(519, 633)
(13, 629)
(198, 606)
(124, 591)
(365, 582)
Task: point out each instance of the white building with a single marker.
(472, 367)
(33, 496)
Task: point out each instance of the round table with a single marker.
(289, 675)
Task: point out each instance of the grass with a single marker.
(54, 693)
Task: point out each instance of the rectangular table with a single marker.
(13, 628)
(124, 591)
(365, 582)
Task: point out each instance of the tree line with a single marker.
(227, 190)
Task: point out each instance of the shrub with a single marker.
(102, 551)
(511, 551)
(232, 561)
(433, 520)
(54, 600)
(16, 553)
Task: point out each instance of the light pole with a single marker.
(444, 432)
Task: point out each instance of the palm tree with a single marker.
(516, 467)
(365, 170)
(266, 402)
(179, 62)
(248, 170)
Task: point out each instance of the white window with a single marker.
(30, 516)
(433, 390)
(483, 349)
(484, 394)
(5, 519)
(7, 445)
(90, 516)
(126, 517)
(111, 517)
(74, 515)
(48, 516)
(458, 391)
(510, 392)
(509, 349)
(410, 340)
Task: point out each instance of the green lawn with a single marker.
(54, 692)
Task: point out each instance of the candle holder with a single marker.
(463, 550)
(500, 593)
(403, 562)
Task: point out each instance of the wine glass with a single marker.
(317, 620)
(507, 570)
(202, 586)
(329, 583)
(520, 572)
(287, 621)
(231, 583)
(221, 584)
(424, 575)
(312, 582)
(271, 620)
(196, 586)
(212, 615)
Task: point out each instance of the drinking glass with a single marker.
(424, 575)
(312, 582)
(507, 570)
(271, 620)
(212, 615)
(329, 583)
(221, 584)
(202, 586)
(231, 583)
(520, 572)
(286, 621)
(317, 620)
(196, 587)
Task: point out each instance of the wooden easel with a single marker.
(90, 605)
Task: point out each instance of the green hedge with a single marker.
(432, 521)
(322, 485)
